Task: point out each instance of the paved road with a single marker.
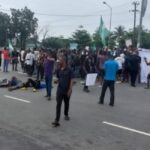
(27, 126)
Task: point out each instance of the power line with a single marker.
(66, 15)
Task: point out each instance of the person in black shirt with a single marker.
(134, 67)
(14, 57)
(89, 67)
(64, 90)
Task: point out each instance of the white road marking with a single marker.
(126, 128)
(18, 99)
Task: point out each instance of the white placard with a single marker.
(91, 79)
(144, 68)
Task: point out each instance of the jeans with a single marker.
(14, 65)
(111, 85)
(48, 80)
(5, 65)
(62, 97)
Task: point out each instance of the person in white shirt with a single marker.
(148, 76)
(120, 60)
(23, 54)
(29, 60)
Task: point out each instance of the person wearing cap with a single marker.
(64, 90)
(110, 69)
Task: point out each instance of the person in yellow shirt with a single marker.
(148, 76)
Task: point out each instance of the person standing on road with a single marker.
(64, 90)
(89, 67)
(40, 68)
(101, 60)
(48, 72)
(22, 60)
(120, 60)
(6, 57)
(148, 76)
(14, 57)
(110, 69)
(134, 67)
(29, 61)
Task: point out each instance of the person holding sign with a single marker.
(110, 69)
(89, 67)
(148, 76)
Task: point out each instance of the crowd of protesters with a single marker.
(67, 64)
(81, 63)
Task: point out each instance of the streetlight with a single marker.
(105, 3)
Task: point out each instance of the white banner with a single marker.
(144, 68)
(91, 79)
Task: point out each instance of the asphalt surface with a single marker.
(27, 126)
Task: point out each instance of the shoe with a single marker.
(67, 118)
(24, 88)
(49, 98)
(46, 96)
(34, 90)
(86, 90)
(55, 124)
(112, 105)
(102, 103)
(133, 85)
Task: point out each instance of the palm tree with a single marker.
(119, 35)
(120, 31)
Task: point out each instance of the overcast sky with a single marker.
(90, 11)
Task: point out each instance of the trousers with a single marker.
(60, 98)
(111, 85)
(48, 80)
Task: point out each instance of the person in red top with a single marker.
(6, 57)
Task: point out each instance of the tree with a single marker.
(82, 38)
(4, 28)
(145, 39)
(55, 42)
(119, 34)
(24, 23)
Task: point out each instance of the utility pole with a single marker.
(105, 3)
(135, 10)
(143, 10)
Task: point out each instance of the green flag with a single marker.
(104, 33)
(10, 47)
